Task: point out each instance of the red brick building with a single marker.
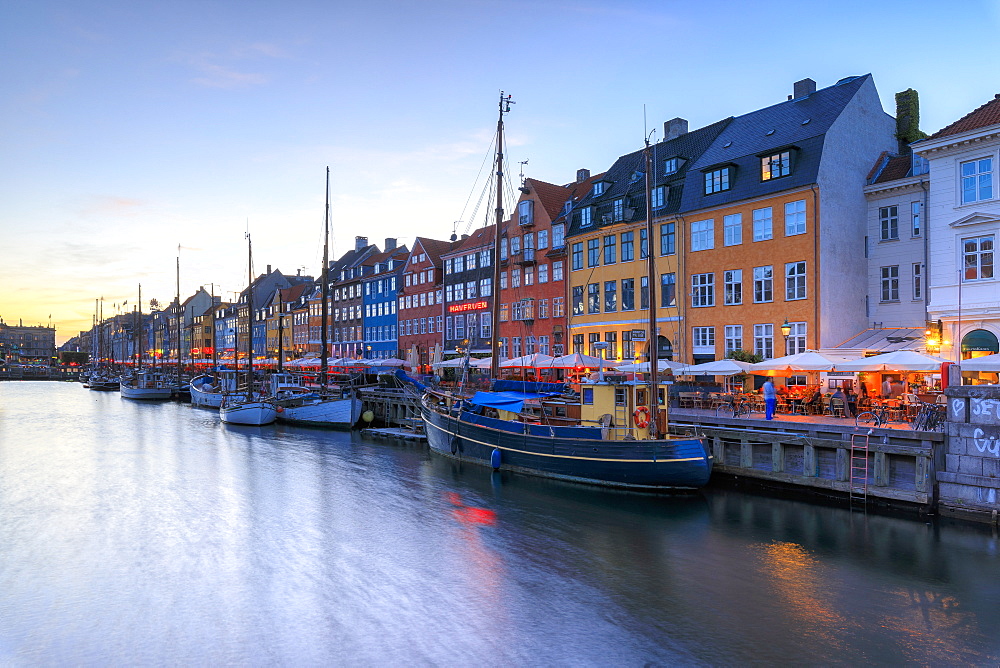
(420, 309)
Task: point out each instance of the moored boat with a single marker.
(300, 405)
(247, 408)
(146, 384)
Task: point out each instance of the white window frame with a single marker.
(795, 218)
(733, 287)
(703, 235)
(763, 224)
(763, 284)
(732, 229)
(973, 187)
(795, 281)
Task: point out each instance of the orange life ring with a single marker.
(641, 416)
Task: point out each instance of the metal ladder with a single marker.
(858, 472)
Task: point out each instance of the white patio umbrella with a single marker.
(897, 360)
(719, 368)
(574, 360)
(537, 360)
(989, 363)
(643, 367)
(436, 355)
(809, 360)
(454, 363)
(412, 359)
(390, 361)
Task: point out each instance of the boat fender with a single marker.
(368, 416)
(454, 445)
(641, 416)
(495, 459)
(280, 409)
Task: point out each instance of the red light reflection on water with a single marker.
(470, 514)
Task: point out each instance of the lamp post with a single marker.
(786, 329)
(600, 347)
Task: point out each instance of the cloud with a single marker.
(220, 70)
(110, 205)
(217, 76)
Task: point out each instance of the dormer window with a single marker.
(567, 206)
(672, 165)
(585, 218)
(718, 180)
(618, 210)
(658, 197)
(775, 165)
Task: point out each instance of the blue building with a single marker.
(379, 303)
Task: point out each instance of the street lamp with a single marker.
(786, 329)
(600, 346)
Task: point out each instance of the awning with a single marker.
(980, 340)
(509, 400)
(882, 340)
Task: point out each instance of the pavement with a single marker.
(784, 418)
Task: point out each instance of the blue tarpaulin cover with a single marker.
(510, 400)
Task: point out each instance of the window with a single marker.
(762, 229)
(915, 210)
(795, 281)
(526, 212)
(732, 229)
(610, 296)
(657, 196)
(592, 338)
(888, 217)
(472, 326)
(449, 328)
(702, 235)
(643, 244)
(644, 292)
(503, 284)
(703, 290)
(578, 343)
(628, 347)
(559, 306)
(703, 337)
(763, 284)
(796, 341)
(668, 239)
(795, 218)
(628, 294)
(594, 298)
(543, 273)
(460, 261)
(763, 340)
(733, 287)
(734, 339)
(503, 314)
(577, 256)
(543, 239)
(593, 252)
(585, 219)
(775, 166)
(577, 300)
(717, 180)
(918, 288)
(977, 258)
(557, 271)
(515, 247)
(470, 289)
(543, 308)
(890, 283)
(485, 288)
(543, 345)
(668, 290)
(485, 324)
(610, 249)
(558, 238)
(485, 260)
(977, 180)
(618, 210)
(598, 188)
(628, 246)
(515, 346)
(671, 165)
(529, 277)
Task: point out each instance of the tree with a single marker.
(744, 356)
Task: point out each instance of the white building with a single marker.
(963, 224)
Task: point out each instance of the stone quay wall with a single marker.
(969, 482)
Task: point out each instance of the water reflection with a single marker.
(153, 534)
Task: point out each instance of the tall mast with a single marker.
(654, 363)
(325, 294)
(215, 347)
(505, 103)
(250, 314)
(281, 333)
(179, 314)
(138, 336)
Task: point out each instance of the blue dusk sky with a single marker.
(132, 128)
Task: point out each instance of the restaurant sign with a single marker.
(468, 306)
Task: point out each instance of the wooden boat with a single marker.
(300, 405)
(146, 384)
(605, 433)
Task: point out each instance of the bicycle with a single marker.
(929, 418)
(876, 416)
(734, 408)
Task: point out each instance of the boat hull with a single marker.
(255, 413)
(676, 463)
(204, 398)
(329, 414)
(148, 393)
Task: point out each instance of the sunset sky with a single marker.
(131, 128)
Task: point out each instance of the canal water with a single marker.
(142, 534)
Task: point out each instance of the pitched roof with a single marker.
(890, 168)
(984, 116)
(434, 248)
(800, 123)
(551, 196)
(481, 237)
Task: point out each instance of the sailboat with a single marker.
(143, 383)
(297, 404)
(247, 405)
(602, 433)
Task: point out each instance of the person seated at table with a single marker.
(815, 401)
(839, 394)
(863, 398)
(852, 401)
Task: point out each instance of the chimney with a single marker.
(360, 242)
(390, 244)
(907, 120)
(269, 269)
(464, 237)
(803, 88)
(582, 175)
(674, 128)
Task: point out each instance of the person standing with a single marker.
(770, 399)
(886, 389)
